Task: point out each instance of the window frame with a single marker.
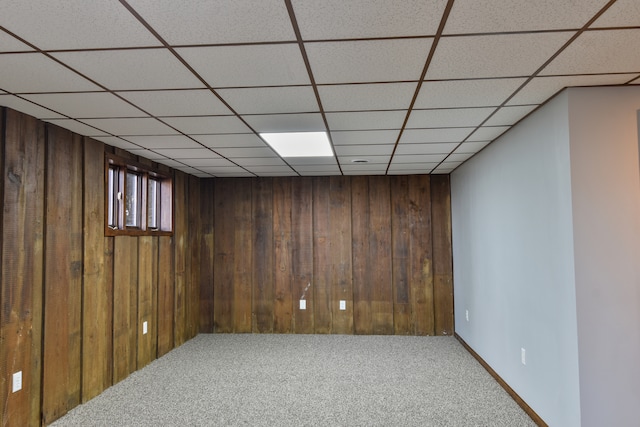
(121, 167)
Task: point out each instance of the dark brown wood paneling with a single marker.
(63, 280)
(166, 294)
(224, 249)
(283, 305)
(442, 254)
(22, 268)
(193, 285)
(243, 233)
(401, 258)
(263, 267)
(206, 256)
(147, 285)
(97, 307)
(302, 253)
(341, 280)
(322, 256)
(362, 288)
(181, 238)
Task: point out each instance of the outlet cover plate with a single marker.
(16, 384)
(303, 304)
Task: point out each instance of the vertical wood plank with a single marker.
(321, 256)
(442, 254)
(380, 255)
(206, 256)
(63, 281)
(97, 306)
(147, 265)
(361, 262)
(421, 279)
(302, 253)
(283, 305)
(125, 291)
(224, 221)
(166, 294)
(340, 254)
(263, 194)
(22, 267)
(244, 252)
(180, 234)
(401, 258)
(193, 303)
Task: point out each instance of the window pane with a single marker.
(153, 204)
(112, 197)
(132, 200)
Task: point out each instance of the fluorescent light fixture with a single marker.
(299, 144)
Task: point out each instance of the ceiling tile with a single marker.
(172, 163)
(198, 163)
(623, 13)
(426, 170)
(231, 153)
(207, 125)
(269, 100)
(368, 60)
(79, 128)
(360, 97)
(199, 102)
(320, 173)
(611, 51)
(11, 44)
(335, 19)
(202, 175)
(364, 167)
(220, 21)
(453, 117)
(483, 16)
(114, 141)
(27, 107)
(239, 174)
(418, 158)
(317, 162)
(87, 105)
(472, 147)
(446, 167)
(459, 157)
(164, 141)
(187, 153)
(422, 167)
(286, 122)
(348, 160)
(539, 89)
(504, 55)
(269, 169)
(230, 140)
(132, 69)
(366, 120)
(222, 169)
(243, 66)
(466, 93)
(289, 173)
(433, 148)
(126, 126)
(418, 136)
(95, 24)
(34, 72)
(259, 161)
(364, 150)
(147, 154)
(488, 133)
(364, 137)
(507, 116)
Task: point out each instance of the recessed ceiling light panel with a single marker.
(299, 144)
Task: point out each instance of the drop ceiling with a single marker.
(410, 86)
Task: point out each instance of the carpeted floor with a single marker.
(306, 380)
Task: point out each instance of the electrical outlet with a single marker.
(343, 304)
(144, 327)
(467, 314)
(303, 304)
(523, 356)
(16, 384)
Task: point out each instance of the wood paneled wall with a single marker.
(380, 243)
(72, 301)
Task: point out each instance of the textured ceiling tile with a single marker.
(347, 160)
(271, 100)
(269, 169)
(418, 158)
(259, 161)
(363, 150)
(488, 133)
(125, 145)
(207, 125)
(455, 117)
(466, 93)
(132, 69)
(11, 44)
(289, 173)
(147, 154)
(197, 163)
(366, 120)
(231, 153)
(312, 161)
(200, 102)
(480, 16)
(230, 140)
(141, 126)
(364, 137)
(164, 141)
(417, 136)
(623, 13)
(286, 122)
(368, 61)
(87, 105)
(88, 129)
(539, 89)
(511, 55)
(507, 116)
(459, 157)
(187, 153)
(472, 147)
(611, 51)
(27, 107)
(425, 169)
(332, 19)
(433, 148)
(243, 66)
(34, 72)
(386, 96)
(220, 21)
(95, 24)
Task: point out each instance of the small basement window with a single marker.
(138, 199)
